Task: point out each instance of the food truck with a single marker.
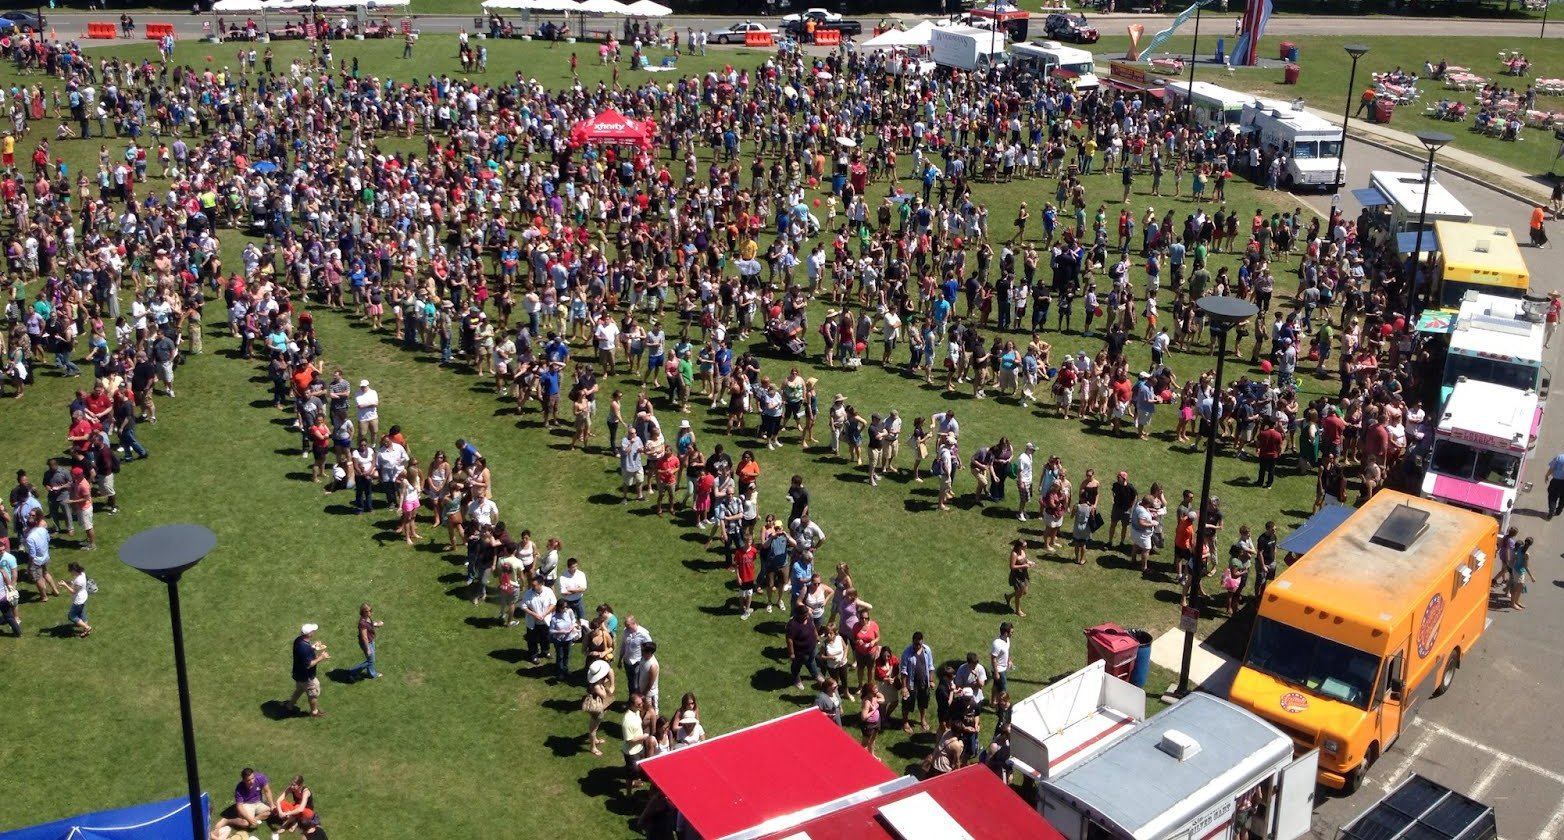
(1214, 106)
(1499, 340)
(1311, 143)
(1477, 257)
(1202, 768)
(1372, 621)
(1051, 59)
(966, 47)
(1486, 434)
(1395, 200)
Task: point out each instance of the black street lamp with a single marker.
(1194, 47)
(1222, 313)
(1356, 51)
(1433, 141)
(166, 553)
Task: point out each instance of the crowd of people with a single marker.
(646, 284)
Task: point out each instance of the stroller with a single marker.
(786, 335)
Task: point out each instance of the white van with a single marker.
(1047, 59)
(1312, 144)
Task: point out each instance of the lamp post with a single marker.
(1356, 51)
(1222, 313)
(1433, 141)
(166, 553)
(1194, 47)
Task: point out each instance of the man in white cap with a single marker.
(307, 655)
(368, 402)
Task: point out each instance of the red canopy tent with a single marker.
(611, 128)
(968, 803)
(745, 778)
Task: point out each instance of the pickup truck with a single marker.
(795, 24)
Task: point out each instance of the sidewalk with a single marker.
(1210, 670)
(1516, 184)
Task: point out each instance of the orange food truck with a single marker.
(1369, 623)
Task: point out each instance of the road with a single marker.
(70, 25)
(1490, 736)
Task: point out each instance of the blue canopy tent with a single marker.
(1308, 535)
(166, 820)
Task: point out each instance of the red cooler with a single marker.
(1287, 48)
(1290, 74)
(1383, 108)
(1115, 645)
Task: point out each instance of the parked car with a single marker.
(735, 33)
(1067, 27)
(26, 20)
(817, 14)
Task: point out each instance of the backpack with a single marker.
(92, 586)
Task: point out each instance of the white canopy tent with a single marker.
(603, 7)
(918, 36)
(647, 8)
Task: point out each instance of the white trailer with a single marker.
(1312, 144)
(1203, 768)
(1052, 730)
(967, 47)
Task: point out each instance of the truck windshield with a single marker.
(1478, 369)
(1326, 668)
(1304, 150)
(1464, 461)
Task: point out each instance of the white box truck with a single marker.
(1051, 59)
(1311, 143)
(967, 47)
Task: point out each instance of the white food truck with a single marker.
(1051, 59)
(1499, 340)
(1485, 436)
(1398, 198)
(1214, 106)
(966, 47)
(1202, 768)
(1312, 144)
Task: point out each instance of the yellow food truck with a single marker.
(1370, 622)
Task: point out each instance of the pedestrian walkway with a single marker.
(1210, 670)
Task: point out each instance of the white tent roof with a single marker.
(648, 8)
(238, 6)
(917, 36)
(607, 7)
(548, 5)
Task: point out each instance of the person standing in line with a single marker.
(537, 605)
(368, 629)
(1520, 572)
(37, 540)
(307, 656)
(81, 506)
(999, 658)
(650, 674)
(1020, 575)
(630, 651)
(917, 670)
(1556, 485)
(9, 596)
(80, 588)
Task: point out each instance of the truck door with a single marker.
(1392, 701)
(1295, 798)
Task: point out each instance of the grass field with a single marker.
(463, 739)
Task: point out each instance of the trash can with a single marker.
(1142, 658)
(1114, 645)
(1221, 49)
(1290, 74)
(1292, 54)
(1383, 109)
(1287, 49)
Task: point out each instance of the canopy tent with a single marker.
(611, 128)
(166, 820)
(602, 7)
(809, 759)
(647, 8)
(918, 36)
(239, 6)
(971, 802)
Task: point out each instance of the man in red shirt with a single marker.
(1268, 445)
(744, 568)
(1333, 429)
(99, 404)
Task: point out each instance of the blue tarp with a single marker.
(1307, 536)
(166, 820)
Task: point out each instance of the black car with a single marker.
(1073, 28)
(25, 20)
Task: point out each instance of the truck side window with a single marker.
(1393, 673)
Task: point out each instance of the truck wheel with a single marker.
(1447, 677)
(1359, 773)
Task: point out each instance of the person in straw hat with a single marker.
(599, 696)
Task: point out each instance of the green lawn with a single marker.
(463, 739)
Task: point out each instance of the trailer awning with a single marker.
(1319, 526)
(1370, 197)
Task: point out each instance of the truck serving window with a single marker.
(1457, 459)
(1326, 668)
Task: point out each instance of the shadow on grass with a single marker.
(564, 746)
(483, 622)
(608, 784)
(342, 676)
(699, 564)
(341, 510)
(770, 680)
(991, 608)
(275, 710)
(512, 656)
(563, 705)
(605, 499)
